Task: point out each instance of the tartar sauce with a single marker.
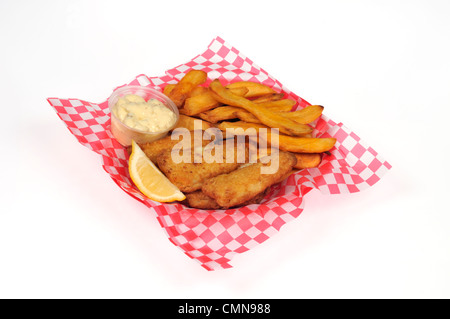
(151, 116)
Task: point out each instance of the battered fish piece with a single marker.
(154, 149)
(200, 200)
(190, 176)
(237, 187)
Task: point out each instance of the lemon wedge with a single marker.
(149, 179)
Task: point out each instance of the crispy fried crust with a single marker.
(200, 200)
(243, 184)
(155, 148)
(189, 176)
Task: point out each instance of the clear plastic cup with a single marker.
(125, 134)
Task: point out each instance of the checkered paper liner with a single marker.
(213, 237)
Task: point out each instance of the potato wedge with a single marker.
(285, 143)
(240, 124)
(226, 112)
(305, 160)
(199, 103)
(277, 106)
(284, 105)
(182, 89)
(189, 123)
(268, 97)
(223, 113)
(303, 144)
(254, 89)
(241, 91)
(168, 88)
(245, 116)
(198, 90)
(306, 115)
(220, 113)
(264, 115)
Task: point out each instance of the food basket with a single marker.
(213, 237)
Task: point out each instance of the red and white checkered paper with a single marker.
(213, 237)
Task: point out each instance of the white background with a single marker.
(380, 67)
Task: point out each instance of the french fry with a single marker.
(223, 113)
(241, 91)
(226, 112)
(195, 91)
(168, 88)
(299, 118)
(265, 116)
(220, 113)
(201, 100)
(257, 107)
(306, 115)
(281, 106)
(303, 144)
(199, 103)
(284, 105)
(240, 124)
(276, 106)
(245, 116)
(305, 160)
(254, 89)
(268, 97)
(188, 122)
(285, 142)
(198, 90)
(182, 89)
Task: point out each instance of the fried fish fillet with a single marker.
(189, 175)
(235, 188)
(155, 148)
(200, 200)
